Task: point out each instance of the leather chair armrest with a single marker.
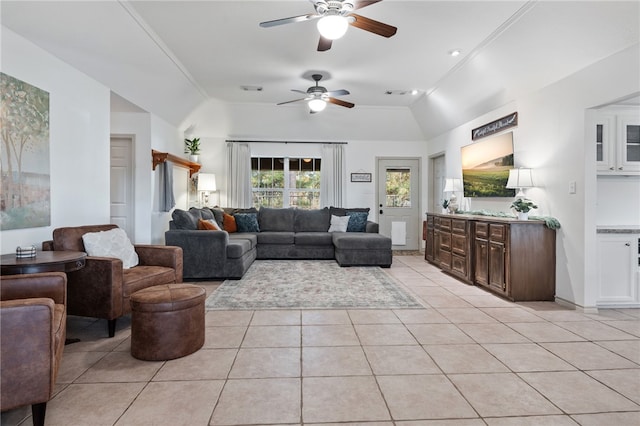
(27, 344)
(52, 285)
(47, 245)
(155, 255)
(96, 290)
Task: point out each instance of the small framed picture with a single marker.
(360, 177)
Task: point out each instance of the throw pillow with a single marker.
(111, 243)
(247, 222)
(208, 224)
(339, 223)
(218, 215)
(229, 223)
(357, 221)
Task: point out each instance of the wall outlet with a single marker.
(572, 187)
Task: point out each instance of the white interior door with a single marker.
(399, 212)
(122, 184)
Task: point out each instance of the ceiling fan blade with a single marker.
(340, 102)
(299, 91)
(373, 26)
(359, 4)
(324, 44)
(291, 20)
(295, 100)
(340, 92)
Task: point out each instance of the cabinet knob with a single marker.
(619, 168)
(611, 168)
(627, 244)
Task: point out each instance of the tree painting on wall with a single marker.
(25, 196)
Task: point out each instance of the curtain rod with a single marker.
(261, 141)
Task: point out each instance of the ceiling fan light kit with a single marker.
(317, 105)
(333, 27)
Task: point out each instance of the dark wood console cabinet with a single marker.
(512, 258)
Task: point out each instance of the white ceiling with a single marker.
(167, 57)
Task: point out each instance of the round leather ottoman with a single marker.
(167, 321)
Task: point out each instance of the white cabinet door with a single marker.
(628, 144)
(617, 269)
(605, 143)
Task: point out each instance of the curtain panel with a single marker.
(239, 192)
(332, 177)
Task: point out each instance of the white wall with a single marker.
(79, 139)
(550, 138)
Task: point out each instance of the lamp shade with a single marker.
(333, 27)
(206, 182)
(452, 185)
(519, 178)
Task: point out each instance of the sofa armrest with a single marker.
(372, 227)
(155, 255)
(51, 285)
(204, 252)
(27, 343)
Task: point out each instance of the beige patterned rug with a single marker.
(310, 284)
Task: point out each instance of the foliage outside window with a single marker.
(285, 182)
(398, 188)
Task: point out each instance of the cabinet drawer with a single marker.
(482, 230)
(445, 260)
(445, 224)
(459, 264)
(497, 232)
(459, 245)
(458, 226)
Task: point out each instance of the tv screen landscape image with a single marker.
(486, 165)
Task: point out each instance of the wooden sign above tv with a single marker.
(500, 124)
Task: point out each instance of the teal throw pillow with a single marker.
(247, 222)
(357, 221)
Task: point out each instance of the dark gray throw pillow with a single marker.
(357, 221)
(247, 222)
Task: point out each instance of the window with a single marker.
(286, 182)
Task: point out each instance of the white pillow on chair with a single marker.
(111, 243)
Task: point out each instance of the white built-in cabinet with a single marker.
(618, 269)
(617, 139)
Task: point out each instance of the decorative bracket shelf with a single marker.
(160, 157)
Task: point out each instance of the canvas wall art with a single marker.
(25, 196)
(486, 165)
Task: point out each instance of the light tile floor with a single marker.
(467, 358)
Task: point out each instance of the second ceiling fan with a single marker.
(318, 96)
(335, 16)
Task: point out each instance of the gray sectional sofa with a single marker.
(272, 233)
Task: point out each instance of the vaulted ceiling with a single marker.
(167, 57)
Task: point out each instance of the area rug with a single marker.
(310, 284)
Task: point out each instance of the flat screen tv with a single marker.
(486, 165)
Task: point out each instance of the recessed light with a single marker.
(414, 92)
(454, 52)
(251, 88)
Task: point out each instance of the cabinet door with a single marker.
(481, 262)
(605, 144)
(617, 269)
(497, 280)
(628, 144)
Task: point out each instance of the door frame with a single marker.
(433, 194)
(419, 190)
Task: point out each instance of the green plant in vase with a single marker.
(523, 206)
(192, 147)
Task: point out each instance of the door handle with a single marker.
(380, 211)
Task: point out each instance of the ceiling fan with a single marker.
(318, 96)
(335, 16)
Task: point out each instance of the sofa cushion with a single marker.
(189, 219)
(247, 222)
(218, 215)
(276, 219)
(357, 221)
(236, 248)
(112, 243)
(276, 237)
(316, 220)
(360, 241)
(313, 238)
(339, 223)
(341, 211)
(252, 238)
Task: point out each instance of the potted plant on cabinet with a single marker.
(522, 206)
(192, 147)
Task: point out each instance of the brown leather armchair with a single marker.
(33, 319)
(102, 288)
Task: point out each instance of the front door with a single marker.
(399, 212)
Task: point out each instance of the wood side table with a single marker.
(45, 261)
